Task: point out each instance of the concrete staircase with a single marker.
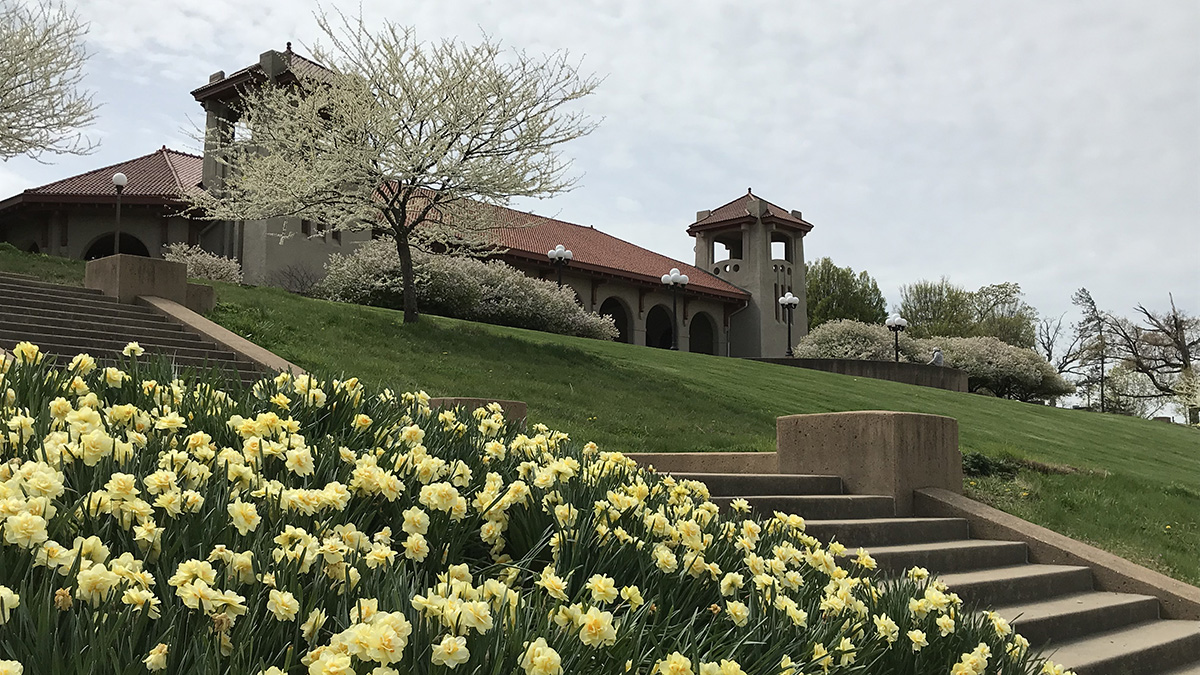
(67, 320)
(1055, 606)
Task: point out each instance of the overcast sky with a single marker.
(1053, 144)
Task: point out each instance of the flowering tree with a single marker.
(408, 138)
(1163, 346)
(41, 66)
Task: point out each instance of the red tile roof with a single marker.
(739, 209)
(162, 175)
(530, 237)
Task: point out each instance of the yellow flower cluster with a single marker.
(361, 531)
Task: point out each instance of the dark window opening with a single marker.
(104, 247)
(613, 307)
(659, 332)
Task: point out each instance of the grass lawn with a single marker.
(1143, 475)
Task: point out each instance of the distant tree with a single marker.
(838, 293)
(1060, 345)
(937, 308)
(1163, 346)
(1128, 392)
(42, 106)
(409, 139)
(1001, 312)
(1094, 347)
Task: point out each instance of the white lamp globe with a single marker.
(683, 279)
(120, 180)
(666, 278)
(569, 255)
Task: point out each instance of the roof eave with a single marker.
(625, 275)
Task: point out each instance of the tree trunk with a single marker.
(411, 315)
(1193, 414)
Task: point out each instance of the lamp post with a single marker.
(560, 257)
(674, 280)
(789, 303)
(119, 182)
(896, 323)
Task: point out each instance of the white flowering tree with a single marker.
(1163, 346)
(42, 106)
(407, 138)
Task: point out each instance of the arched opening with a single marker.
(616, 309)
(727, 246)
(658, 327)
(33, 248)
(702, 334)
(103, 246)
(781, 246)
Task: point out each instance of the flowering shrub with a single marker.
(993, 367)
(304, 526)
(463, 288)
(850, 339)
(999, 368)
(202, 264)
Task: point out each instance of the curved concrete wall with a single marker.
(940, 377)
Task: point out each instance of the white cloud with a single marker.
(1052, 144)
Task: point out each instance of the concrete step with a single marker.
(750, 484)
(81, 307)
(34, 282)
(48, 324)
(876, 532)
(14, 309)
(10, 330)
(70, 343)
(820, 506)
(202, 360)
(1190, 669)
(1018, 584)
(67, 293)
(1073, 616)
(1150, 647)
(944, 557)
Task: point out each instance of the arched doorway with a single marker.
(616, 309)
(702, 334)
(658, 327)
(103, 246)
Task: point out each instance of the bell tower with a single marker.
(758, 247)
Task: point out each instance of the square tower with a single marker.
(758, 247)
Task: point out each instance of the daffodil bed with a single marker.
(156, 522)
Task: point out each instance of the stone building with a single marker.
(749, 252)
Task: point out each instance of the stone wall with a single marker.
(921, 375)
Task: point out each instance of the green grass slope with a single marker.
(1138, 494)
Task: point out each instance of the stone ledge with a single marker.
(876, 452)
(709, 462)
(1111, 572)
(919, 374)
(220, 335)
